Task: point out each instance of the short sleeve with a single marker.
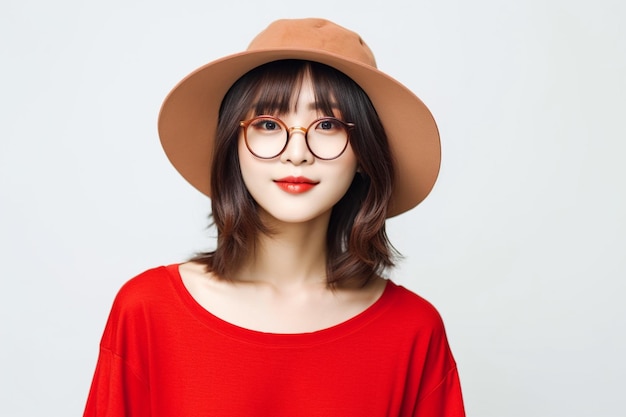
(434, 375)
(116, 390)
(120, 386)
(445, 400)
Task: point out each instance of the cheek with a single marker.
(255, 173)
(344, 171)
(349, 163)
(245, 163)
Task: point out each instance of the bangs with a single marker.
(279, 84)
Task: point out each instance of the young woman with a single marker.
(305, 148)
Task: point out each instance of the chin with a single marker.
(295, 217)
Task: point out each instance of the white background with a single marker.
(521, 245)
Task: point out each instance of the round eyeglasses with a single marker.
(267, 137)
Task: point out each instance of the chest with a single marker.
(229, 378)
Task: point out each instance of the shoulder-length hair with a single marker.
(357, 245)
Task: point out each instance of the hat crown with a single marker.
(314, 34)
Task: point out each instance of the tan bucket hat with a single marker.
(188, 117)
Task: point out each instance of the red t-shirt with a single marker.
(162, 354)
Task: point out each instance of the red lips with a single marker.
(295, 185)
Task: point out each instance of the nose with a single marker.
(297, 151)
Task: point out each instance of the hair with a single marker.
(357, 245)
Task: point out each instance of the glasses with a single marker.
(267, 137)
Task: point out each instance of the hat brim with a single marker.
(188, 120)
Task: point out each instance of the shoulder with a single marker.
(145, 288)
(134, 307)
(411, 311)
(412, 303)
(419, 322)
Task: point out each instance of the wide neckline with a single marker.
(325, 335)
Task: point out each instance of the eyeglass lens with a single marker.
(267, 137)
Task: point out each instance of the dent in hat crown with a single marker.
(314, 34)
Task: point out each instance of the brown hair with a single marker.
(357, 245)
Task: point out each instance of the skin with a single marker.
(282, 287)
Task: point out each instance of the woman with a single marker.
(305, 148)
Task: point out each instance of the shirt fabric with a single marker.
(162, 354)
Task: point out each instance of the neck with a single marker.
(293, 255)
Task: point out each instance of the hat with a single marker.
(189, 114)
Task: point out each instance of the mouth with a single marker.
(295, 185)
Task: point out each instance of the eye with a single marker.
(328, 125)
(268, 125)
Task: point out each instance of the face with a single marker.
(296, 187)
